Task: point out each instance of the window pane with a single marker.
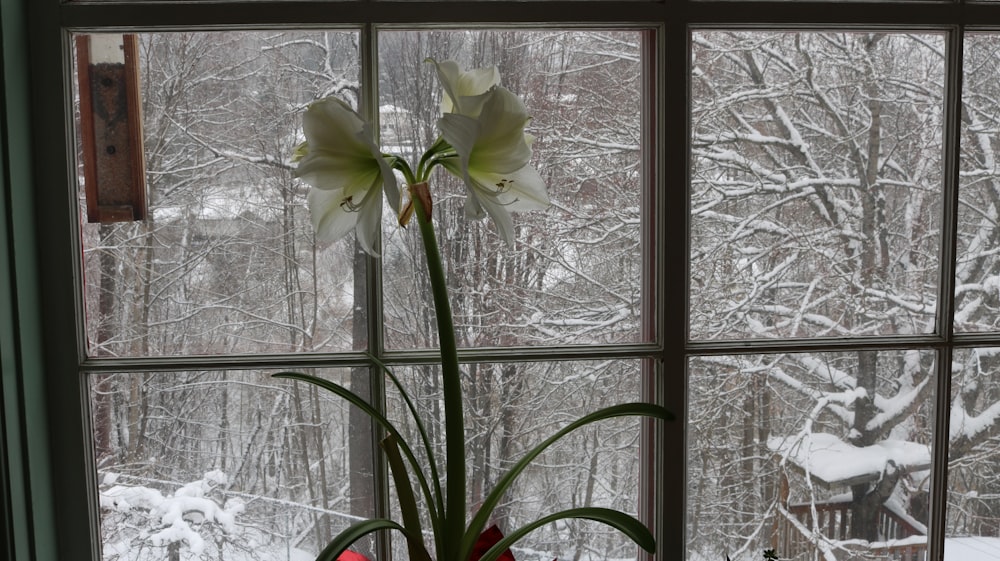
(973, 521)
(511, 408)
(814, 452)
(977, 305)
(225, 465)
(572, 274)
(226, 261)
(816, 183)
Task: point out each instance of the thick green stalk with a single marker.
(454, 423)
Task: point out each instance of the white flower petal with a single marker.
(478, 81)
(390, 185)
(501, 218)
(501, 146)
(519, 191)
(497, 195)
(472, 207)
(464, 91)
(447, 72)
(347, 171)
(330, 123)
(369, 223)
(331, 218)
(461, 133)
(330, 172)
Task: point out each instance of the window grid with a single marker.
(678, 18)
(169, 364)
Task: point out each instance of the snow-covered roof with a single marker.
(833, 462)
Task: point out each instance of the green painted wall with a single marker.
(26, 509)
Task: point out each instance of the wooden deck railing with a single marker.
(794, 535)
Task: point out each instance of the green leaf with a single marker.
(622, 522)
(352, 534)
(376, 416)
(428, 449)
(485, 511)
(407, 503)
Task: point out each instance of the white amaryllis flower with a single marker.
(347, 172)
(465, 91)
(493, 153)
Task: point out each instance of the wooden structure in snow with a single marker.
(795, 539)
(821, 527)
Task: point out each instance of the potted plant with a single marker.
(482, 142)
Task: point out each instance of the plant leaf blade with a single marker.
(407, 502)
(478, 523)
(622, 522)
(352, 534)
(376, 416)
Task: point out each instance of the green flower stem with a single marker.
(426, 161)
(400, 164)
(454, 423)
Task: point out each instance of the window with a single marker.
(777, 219)
(836, 221)
(226, 264)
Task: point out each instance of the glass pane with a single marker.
(511, 408)
(225, 465)
(816, 183)
(812, 453)
(977, 305)
(973, 518)
(226, 261)
(572, 274)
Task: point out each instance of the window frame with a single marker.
(41, 347)
(66, 353)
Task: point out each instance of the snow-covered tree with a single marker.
(186, 524)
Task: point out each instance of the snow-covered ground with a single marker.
(969, 548)
(974, 548)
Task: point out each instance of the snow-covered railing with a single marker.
(913, 548)
(796, 536)
(796, 541)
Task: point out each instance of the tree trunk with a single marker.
(867, 499)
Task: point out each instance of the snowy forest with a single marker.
(816, 203)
